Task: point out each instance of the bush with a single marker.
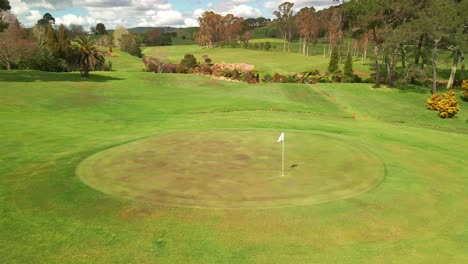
(336, 76)
(464, 86)
(151, 64)
(278, 78)
(446, 104)
(267, 78)
(45, 60)
(267, 46)
(189, 61)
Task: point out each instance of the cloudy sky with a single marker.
(134, 13)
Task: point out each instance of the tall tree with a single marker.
(284, 16)
(308, 26)
(118, 33)
(460, 42)
(46, 20)
(369, 15)
(51, 38)
(436, 25)
(15, 45)
(101, 29)
(4, 6)
(75, 30)
(88, 57)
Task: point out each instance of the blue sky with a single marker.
(133, 13)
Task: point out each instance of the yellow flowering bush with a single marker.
(446, 104)
(465, 90)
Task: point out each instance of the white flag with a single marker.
(281, 137)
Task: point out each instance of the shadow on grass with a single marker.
(409, 88)
(38, 76)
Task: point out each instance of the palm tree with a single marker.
(88, 57)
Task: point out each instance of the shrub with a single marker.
(464, 86)
(189, 61)
(267, 78)
(336, 76)
(446, 104)
(181, 68)
(278, 78)
(207, 59)
(152, 64)
(267, 46)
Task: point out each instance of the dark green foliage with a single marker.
(189, 61)
(334, 61)
(45, 60)
(101, 29)
(4, 5)
(267, 46)
(86, 56)
(348, 69)
(46, 20)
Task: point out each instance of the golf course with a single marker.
(130, 166)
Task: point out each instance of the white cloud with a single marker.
(69, 19)
(197, 13)
(244, 11)
(19, 8)
(298, 4)
(242, 1)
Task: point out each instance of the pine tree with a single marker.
(334, 60)
(348, 68)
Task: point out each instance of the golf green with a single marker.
(233, 169)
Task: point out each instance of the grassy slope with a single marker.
(49, 122)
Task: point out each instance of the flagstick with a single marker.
(282, 167)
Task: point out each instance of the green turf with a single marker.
(233, 169)
(265, 61)
(51, 122)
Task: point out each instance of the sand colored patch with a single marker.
(233, 169)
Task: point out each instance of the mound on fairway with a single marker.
(233, 169)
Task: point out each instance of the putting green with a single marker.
(233, 169)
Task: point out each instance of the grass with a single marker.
(233, 169)
(265, 61)
(51, 122)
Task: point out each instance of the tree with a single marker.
(130, 43)
(88, 56)
(348, 68)
(4, 6)
(51, 38)
(75, 30)
(15, 45)
(101, 29)
(436, 25)
(283, 21)
(333, 65)
(369, 15)
(308, 26)
(118, 33)
(460, 43)
(46, 20)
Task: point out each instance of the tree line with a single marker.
(407, 33)
(49, 47)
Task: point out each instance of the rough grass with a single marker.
(50, 122)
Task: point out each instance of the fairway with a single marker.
(135, 167)
(233, 169)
